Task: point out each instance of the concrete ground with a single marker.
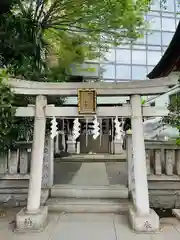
(88, 227)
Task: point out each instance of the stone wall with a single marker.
(15, 172)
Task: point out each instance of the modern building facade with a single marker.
(135, 61)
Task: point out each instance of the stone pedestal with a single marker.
(23, 156)
(78, 150)
(57, 149)
(13, 161)
(144, 223)
(63, 141)
(31, 222)
(117, 146)
(112, 147)
(3, 164)
(71, 145)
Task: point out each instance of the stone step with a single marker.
(4, 184)
(78, 191)
(13, 191)
(93, 158)
(74, 205)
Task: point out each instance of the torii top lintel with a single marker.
(126, 88)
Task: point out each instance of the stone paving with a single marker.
(88, 227)
(82, 173)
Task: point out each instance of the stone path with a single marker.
(90, 173)
(88, 227)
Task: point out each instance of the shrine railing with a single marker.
(16, 163)
(162, 160)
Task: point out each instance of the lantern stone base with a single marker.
(145, 223)
(31, 222)
(118, 146)
(71, 145)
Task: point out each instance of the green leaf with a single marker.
(38, 36)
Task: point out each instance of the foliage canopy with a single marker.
(68, 31)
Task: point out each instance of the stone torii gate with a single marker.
(34, 216)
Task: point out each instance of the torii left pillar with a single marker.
(34, 217)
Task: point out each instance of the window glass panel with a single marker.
(166, 38)
(124, 46)
(154, 13)
(165, 14)
(155, 5)
(138, 57)
(177, 22)
(141, 40)
(168, 6)
(158, 48)
(177, 6)
(109, 56)
(163, 52)
(168, 24)
(154, 38)
(154, 22)
(109, 80)
(139, 47)
(139, 72)
(123, 72)
(123, 56)
(149, 69)
(164, 49)
(108, 71)
(153, 57)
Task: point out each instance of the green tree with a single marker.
(40, 39)
(6, 111)
(68, 30)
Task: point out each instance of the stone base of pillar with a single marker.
(78, 150)
(31, 222)
(117, 146)
(147, 223)
(71, 147)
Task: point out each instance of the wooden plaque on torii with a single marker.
(87, 101)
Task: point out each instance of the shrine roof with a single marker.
(170, 61)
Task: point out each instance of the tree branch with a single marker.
(49, 12)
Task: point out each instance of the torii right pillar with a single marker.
(142, 218)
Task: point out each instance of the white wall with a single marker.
(151, 129)
(163, 100)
